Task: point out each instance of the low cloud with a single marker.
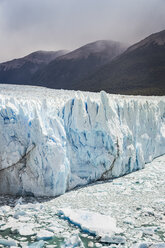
(29, 25)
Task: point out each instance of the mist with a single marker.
(30, 25)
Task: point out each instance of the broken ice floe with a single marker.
(93, 223)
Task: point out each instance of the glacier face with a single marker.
(54, 140)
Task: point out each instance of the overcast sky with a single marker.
(30, 25)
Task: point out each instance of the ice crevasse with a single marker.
(54, 140)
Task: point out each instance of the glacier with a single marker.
(54, 140)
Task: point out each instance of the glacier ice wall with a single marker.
(52, 141)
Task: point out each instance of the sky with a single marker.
(31, 25)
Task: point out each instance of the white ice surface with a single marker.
(54, 140)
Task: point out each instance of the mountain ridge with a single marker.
(100, 65)
(155, 38)
(39, 56)
(66, 71)
(139, 70)
(21, 69)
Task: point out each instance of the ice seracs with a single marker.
(52, 141)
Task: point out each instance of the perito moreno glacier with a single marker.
(54, 140)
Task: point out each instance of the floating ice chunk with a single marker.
(26, 230)
(160, 245)
(90, 222)
(9, 243)
(73, 242)
(149, 230)
(113, 239)
(19, 201)
(5, 209)
(98, 245)
(56, 229)
(39, 244)
(142, 245)
(19, 213)
(129, 221)
(44, 235)
(90, 244)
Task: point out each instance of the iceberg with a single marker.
(90, 222)
(54, 140)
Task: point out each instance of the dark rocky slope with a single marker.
(139, 70)
(20, 71)
(68, 71)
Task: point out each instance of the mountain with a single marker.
(67, 71)
(20, 71)
(101, 65)
(139, 70)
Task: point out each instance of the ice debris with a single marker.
(39, 244)
(9, 243)
(149, 245)
(44, 235)
(73, 242)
